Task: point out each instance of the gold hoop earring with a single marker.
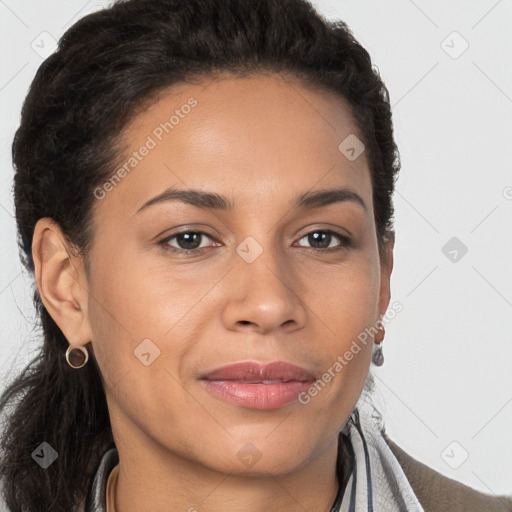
(77, 357)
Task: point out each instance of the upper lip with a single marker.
(254, 371)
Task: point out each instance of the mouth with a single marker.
(258, 386)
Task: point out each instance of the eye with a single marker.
(189, 242)
(321, 239)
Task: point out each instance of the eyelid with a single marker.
(327, 227)
(346, 241)
(164, 241)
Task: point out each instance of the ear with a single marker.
(61, 281)
(386, 267)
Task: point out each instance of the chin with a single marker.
(259, 455)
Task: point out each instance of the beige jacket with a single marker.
(438, 493)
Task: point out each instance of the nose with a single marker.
(264, 295)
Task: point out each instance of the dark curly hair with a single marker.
(107, 66)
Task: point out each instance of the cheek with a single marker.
(346, 299)
(348, 310)
(143, 320)
(122, 317)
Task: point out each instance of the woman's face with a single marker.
(251, 287)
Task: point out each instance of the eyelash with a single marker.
(346, 242)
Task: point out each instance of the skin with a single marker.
(261, 141)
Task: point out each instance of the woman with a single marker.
(203, 193)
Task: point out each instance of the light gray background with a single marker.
(446, 385)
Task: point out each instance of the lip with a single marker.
(258, 386)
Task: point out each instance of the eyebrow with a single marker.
(212, 200)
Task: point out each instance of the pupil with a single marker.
(319, 234)
(188, 237)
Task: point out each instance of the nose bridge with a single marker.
(262, 259)
(263, 283)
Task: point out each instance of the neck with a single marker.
(167, 482)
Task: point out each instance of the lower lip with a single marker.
(257, 396)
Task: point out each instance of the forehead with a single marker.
(256, 138)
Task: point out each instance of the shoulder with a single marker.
(438, 493)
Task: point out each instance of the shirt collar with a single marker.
(96, 500)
